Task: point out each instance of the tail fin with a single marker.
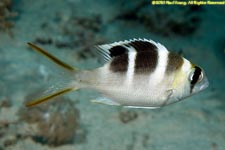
(46, 98)
(66, 89)
(51, 57)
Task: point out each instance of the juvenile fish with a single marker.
(137, 73)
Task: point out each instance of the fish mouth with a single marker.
(204, 85)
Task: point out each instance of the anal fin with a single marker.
(104, 100)
(145, 107)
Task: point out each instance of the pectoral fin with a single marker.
(169, 93)
(167, 97)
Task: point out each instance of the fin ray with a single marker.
(109, 51)
(48, 97)
(51, 57)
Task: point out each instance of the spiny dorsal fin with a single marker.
(115, 49)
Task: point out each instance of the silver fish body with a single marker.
(137, 73)
(143, 73)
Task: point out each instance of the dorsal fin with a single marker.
(115, 49)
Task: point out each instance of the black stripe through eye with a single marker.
(196, 75)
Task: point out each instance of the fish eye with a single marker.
(196, 75)
(200, 77)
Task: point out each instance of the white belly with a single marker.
(142, 90)
(140, 93)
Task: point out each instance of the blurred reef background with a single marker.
(70, 29)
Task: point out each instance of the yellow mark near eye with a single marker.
(178, 79)
(192, 65)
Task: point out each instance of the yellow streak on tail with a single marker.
(51, 57)
(48, 97)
